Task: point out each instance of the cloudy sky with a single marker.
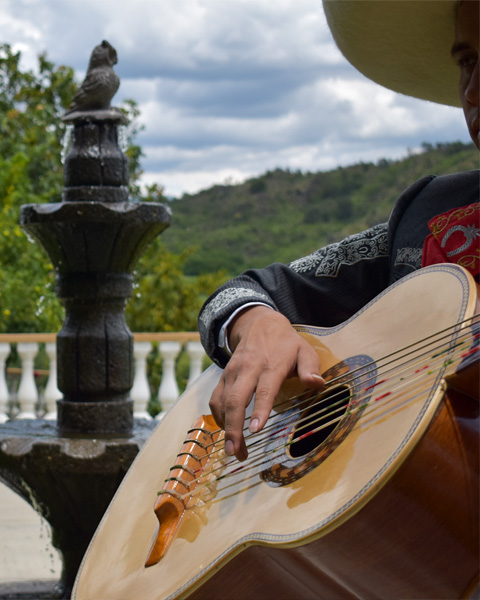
(231, 88)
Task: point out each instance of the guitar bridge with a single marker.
(184, 476)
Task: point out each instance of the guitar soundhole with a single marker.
(321, 427)
(319, 421)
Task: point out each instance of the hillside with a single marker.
(283, 215)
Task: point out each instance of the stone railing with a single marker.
(29, 392)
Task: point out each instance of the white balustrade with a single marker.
(52, 393)
(196, 353)
(4, 394)
(168, 392)
(140, 392)
(27, 393)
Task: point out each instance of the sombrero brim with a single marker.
(403, 45)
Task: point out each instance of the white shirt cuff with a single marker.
(222, 336)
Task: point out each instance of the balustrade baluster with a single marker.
(4, 395)
(140, 392)
(195, 353)
(27, 393)
(52, 393)
(168, 392)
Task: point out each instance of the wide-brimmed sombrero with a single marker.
(402, 44)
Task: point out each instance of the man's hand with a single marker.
(266, 351)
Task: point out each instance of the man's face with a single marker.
(465, 54)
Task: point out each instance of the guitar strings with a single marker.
(386, 374)
(396, 370)
(373, 365)
(253, 458)
(260, 464)
(326, 424)
(299, 408)
(381, 362)
(253, 461)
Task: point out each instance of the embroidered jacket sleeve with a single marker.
(317, 289)
(326, 287)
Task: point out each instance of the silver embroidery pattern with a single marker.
(470, 232)
(411, 257)
(224, 298)
(327, 261)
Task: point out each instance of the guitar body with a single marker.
(387, 506)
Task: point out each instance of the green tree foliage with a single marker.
(31, 171)
(134, 154)
(164, 298)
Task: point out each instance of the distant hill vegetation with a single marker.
(283, 214)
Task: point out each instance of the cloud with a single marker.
(230, 89)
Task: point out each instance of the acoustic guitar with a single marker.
(367, 490)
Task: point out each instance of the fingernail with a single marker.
(229, 449)
(254, 425)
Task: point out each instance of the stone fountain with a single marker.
(69, 470)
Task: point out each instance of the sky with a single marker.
(229, 89)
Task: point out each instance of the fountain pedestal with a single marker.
(69, 480)
(94, 247)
